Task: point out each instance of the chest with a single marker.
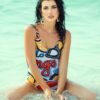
(49, 40)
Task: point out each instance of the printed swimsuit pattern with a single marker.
(47, 61)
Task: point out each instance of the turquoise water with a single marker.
(83, 21)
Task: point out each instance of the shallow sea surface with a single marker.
(82, 20)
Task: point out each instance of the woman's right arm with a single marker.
(30, 53)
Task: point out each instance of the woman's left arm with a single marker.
(63, 64)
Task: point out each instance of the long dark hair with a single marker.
(60, 26)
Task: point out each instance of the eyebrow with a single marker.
(51, 6)
(54, 5)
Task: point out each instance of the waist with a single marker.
(51, 83)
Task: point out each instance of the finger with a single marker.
(48, 98)
(64, 98)
(61, 97)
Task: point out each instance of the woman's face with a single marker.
(49, 10)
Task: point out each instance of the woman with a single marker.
(47, 48)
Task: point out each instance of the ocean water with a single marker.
(82, 20)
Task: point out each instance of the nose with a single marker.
(50, 10)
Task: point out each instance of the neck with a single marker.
(49, 27)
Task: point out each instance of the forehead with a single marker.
(48, 3)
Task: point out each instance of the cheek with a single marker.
(44, 12)
(56, 13)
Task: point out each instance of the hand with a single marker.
(60, 96)
(48, 94)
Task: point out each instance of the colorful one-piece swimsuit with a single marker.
(47, 61)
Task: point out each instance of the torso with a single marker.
(48, 52)
(49, 40)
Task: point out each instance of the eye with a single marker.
(54, 7)
(45, 7)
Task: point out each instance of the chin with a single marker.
(51, 21)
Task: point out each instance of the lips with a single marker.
(50, 17)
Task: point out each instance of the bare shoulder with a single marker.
(29, 31)
(68, 35)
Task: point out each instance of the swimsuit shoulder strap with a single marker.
(37, 32)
